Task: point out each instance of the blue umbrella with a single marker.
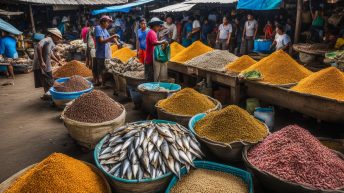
(9, 28)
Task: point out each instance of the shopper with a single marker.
(268, 30)
(84, 31)
(249, 33)
(90, 45)
(151, 41)
(187, 29)
(169, 33)
(103, 52)
(8, 49)
(141, 40)
(224, 34)
(196, 29)
(44, 53)
(318, 24)
(206, 30)
(282, 40)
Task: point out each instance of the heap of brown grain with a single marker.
(73, 84)
(72, 68)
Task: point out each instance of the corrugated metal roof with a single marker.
(179, 7)
(71, 2)
(211, 1)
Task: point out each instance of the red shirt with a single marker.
(151, 40)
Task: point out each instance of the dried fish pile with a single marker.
(148, 150)
(135, 74)
(116, 66)
(214, 60)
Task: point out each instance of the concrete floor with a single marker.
(30, 129)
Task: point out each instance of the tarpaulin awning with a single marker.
(120, 8)
(259, 4)
(69, 2)
(9, 28)
(179, 7)
(10, 13)
(211, 1)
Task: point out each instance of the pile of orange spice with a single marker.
(195, 49)
(240, 64)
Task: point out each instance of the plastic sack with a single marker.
(267, 115)
(160, 54)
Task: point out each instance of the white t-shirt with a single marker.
(281, 40)
(251, 27)
(196, 24)
(224, 31)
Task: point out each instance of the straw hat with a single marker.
(55, 32)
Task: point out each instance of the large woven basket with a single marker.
(7, 183)
(89, 134)
(183, 119)
(278, 185)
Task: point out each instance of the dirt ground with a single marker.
(30, 129)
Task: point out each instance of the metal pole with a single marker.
(298, 21)
(31, 18)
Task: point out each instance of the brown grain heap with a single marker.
(72, 68)
(328, 83)
(59, 173)
(280, 68)
(124, 54)
(231, 124)
(176, 48)
(186, 102)
(209, 181)
(74, 84)
(240, 64)
(195, 49)
(94, 107)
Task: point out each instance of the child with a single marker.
(268, 30)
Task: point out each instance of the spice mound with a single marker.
(59, 173)
(214, 60)
(280, 68)
(206, 181)
(74, 84)
(124, 54)
(94, 107)
(231, 124)
(147, 150)
(240, 64)
(195, 49)
(293, 154)
(73, 67)
(328, 82)
(187, 102)
(176, 48)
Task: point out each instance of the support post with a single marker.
(31, 18)
(298, 21)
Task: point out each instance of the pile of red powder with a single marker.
(293, 154)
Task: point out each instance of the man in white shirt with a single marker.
(282, 40)
(169, 33)
(249, 33)
(224, 35)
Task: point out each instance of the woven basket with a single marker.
(89, 134)
(183, 119)
(278, 185)
(7, 183)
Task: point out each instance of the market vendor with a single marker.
(151, 41)
(44, 53)
(8, 49)
(141, 40)
(282, 40)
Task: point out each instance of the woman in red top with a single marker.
(268, 31)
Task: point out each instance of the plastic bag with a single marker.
(160, 54)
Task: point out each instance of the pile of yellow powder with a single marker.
(124, 54)
(195, 49)
(280, 68)
(328, 82)
(240, 64)
(231, 124)
(59, 173)
(176, 48)
(186, 102)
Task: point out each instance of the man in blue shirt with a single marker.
(141, 40)
(103, 51)
(8, 49)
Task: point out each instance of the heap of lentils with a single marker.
(176, 48)
(295, 155)
(94, 107)
(72, 68)
(59, 173)
(328, 82)
(205, 181)
(231, 124)
(73, 84)
(240, 64)
(280, 68)
(187, 102)
(195, 49)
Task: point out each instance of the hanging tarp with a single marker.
(259, 4)
(120, 8)
(9, 28)
(180, 7)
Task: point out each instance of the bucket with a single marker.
(267, 115)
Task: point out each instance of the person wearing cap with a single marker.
(44, 53)
(152, 41)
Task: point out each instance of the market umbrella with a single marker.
(9, 28)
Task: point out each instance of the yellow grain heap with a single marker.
(231, 124)
(195, 49)
(328, 82)
(72, 68)
(114, 49)
(176, 48)
(240, 64)
(280, 68)
(124, 54)
(186, 102)
(59, 173)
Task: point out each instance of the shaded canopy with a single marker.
(71, 2)
(179, 7)
(120, 8)
(9, 28)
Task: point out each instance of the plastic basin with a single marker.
(262, 46)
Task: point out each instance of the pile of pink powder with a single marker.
(293, 154)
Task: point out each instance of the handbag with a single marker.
(160, 54)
